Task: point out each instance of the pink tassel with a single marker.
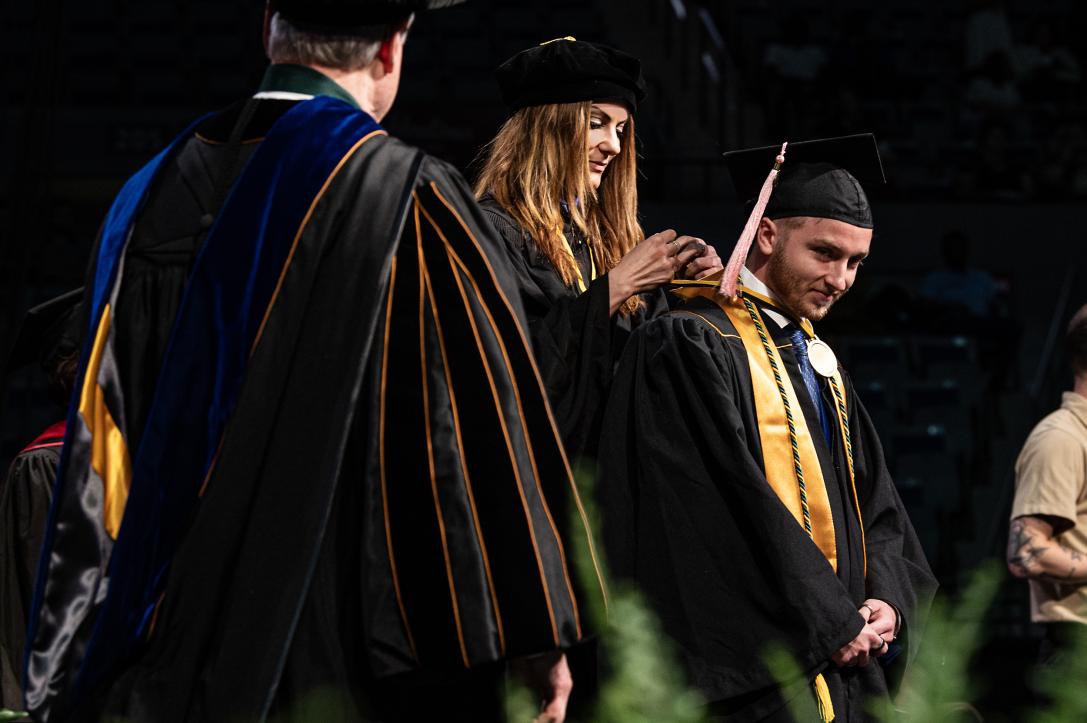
(731, 278)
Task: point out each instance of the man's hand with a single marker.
(549, 677)
(873, 638)
(882, 617)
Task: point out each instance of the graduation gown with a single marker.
(25, 493)
(690, 517)
(309, 434)
(577, 342)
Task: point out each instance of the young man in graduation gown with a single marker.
(48, 337)
(745, 491)
(311, 472)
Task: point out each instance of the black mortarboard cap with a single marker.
(820, 178)
(49, 330)
(567, 70)
(341, 17)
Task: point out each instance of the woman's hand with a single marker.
(649, 264)
(705, 262)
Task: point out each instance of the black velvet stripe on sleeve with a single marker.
(417, 501)
(543, 473)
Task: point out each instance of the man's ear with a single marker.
(387, 53)
(767, 236)
(392, 47)
(267, 33)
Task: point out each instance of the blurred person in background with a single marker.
(49, 336)
(1047, 539)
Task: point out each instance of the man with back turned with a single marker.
(311, 472)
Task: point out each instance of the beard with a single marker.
(792, 291)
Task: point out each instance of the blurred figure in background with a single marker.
(963, 299)
(1047, 68)
(1047, 541)
(49, 337)
(963, 291)
(795, 69)
(987, 31)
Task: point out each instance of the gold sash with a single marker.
(778, 457)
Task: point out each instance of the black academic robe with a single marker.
(389, 496)
(25, 493)
(690, 518)
(577, 342)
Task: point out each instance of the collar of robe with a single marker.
(821, 356)
(291, 78)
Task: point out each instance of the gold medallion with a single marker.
(822, 357)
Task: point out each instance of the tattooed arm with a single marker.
(1034, 552)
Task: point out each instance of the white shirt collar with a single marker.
(282, 95)
(749, 280)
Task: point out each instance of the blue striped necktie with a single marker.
(800, 349)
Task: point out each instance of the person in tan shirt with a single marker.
(1047, 540)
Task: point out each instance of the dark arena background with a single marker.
(978, 108)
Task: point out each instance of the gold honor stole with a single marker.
(789, 458)
(580, 279)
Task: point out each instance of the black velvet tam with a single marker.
(566, 70)
(345, 16)
(49, 330)
(820, 178)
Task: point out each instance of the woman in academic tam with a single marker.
(559, 184)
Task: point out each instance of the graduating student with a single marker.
(559, 184)
(312, 471)
(746, 491)
(48, 337)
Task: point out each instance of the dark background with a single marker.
(977, 107)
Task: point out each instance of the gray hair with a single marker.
(288, 44)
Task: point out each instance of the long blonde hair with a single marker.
(538, 161)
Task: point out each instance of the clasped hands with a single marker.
(880, 623)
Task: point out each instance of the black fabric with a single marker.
(575, 340)
(346, 16)
(690, 517)
(25, 494)
(818, 178)
(565, 70)
(215, 130)
(286, 572)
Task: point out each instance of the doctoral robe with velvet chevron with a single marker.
(316, 370)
